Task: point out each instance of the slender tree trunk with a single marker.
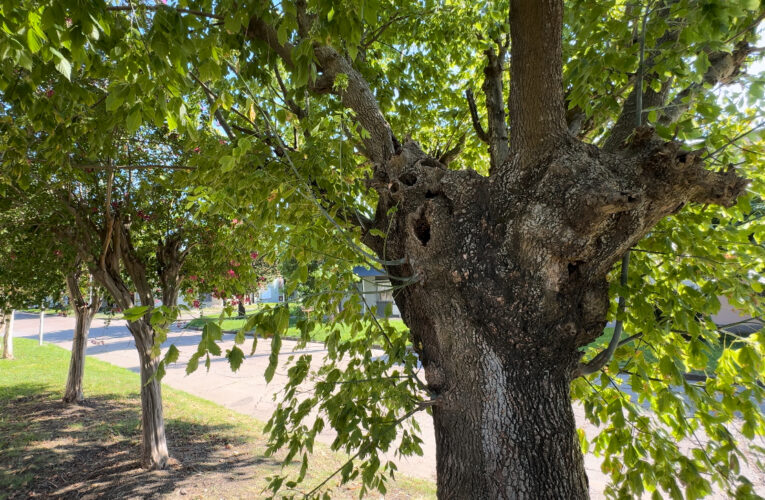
(42, 323)
(83, 314)
(8, 335)
(74, 392)
(154, 453)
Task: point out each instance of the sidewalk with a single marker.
(246, 391)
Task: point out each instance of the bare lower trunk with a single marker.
(503, 419)
(505, 433)
(74, 392)
(7, 335)
(154, 454)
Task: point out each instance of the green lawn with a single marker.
(50, 449)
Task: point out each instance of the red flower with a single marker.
(254, 255)
(49, 93)
(197, 150)
(193, 277)
(221, 141)
(196, 304)
(231, 273)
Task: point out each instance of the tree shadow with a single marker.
(50, 449)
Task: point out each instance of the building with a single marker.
(377, 291)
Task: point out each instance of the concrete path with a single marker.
(246, 391)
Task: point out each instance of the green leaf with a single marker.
(235, 357)
(172, 354)
(114, 100)
(227, 164)
(34, 41)
(193, 364)
(133, 120)
(135, 313)
(273, 358)
(62, 64)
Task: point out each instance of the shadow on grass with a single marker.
(49, 449)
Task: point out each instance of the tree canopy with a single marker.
(291, 117)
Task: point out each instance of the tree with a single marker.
(500, 242)
(32, 267)
(133, 227)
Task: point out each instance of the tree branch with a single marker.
(537, 108)
(724, 68)
(356, 96)
(495, 107)
(130, 8)
(96, 166)
(211, 101)
(603, 357)
(627, 123)
(480, 132)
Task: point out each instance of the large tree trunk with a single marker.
(503, 418)
(8, 335)
(508, 434)
(154, 454)
(504, 280)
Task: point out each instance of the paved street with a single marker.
(246, 391)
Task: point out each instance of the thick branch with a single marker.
(356, 96)
(495, 107)
(537, 109)
(261, 30)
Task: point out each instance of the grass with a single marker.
(319, 333)
(50, 449)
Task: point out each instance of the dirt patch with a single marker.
(88, 451)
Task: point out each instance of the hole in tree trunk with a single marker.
(422, 228)
(408, 178)
(573, 266)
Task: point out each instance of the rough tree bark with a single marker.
(505, 277)
(154, 454)
(83, 313)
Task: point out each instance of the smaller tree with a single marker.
(31, 270)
